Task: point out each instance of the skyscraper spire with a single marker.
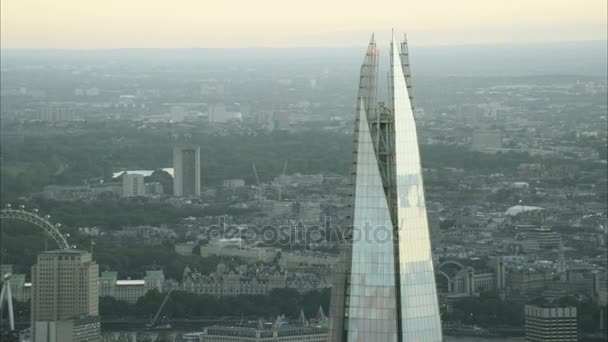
(369, 78)
(405, 66)
(385, 285)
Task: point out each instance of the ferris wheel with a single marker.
(40, 221)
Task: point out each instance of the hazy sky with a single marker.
(278, 23)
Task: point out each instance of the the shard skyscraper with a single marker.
(385, 283)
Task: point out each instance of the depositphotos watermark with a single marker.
(298, 234)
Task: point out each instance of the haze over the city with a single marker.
(77, 24)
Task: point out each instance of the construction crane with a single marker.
(160, 309)
(259, 185)
(278, 183)
(255, 173)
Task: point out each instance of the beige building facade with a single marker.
(65, 299)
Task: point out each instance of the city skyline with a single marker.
(201, 171)
(88, 25)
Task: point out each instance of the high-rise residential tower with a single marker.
(65, 297)
(187, 171)
(385, 283)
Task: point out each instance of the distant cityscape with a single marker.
(211, 202)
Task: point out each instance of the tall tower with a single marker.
(187, 171)
(65, 298)
(385, 283)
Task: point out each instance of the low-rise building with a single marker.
(248, 254)
(67, 192)
(526, 281)
(114, 188)
(267, 254)
(465, 279)
(250, 280)
(186, 248)
(154, 188)
(234, 183)
(545, 237)
(129, 290)
(262, 334)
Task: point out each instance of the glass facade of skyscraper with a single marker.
(385, 285)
